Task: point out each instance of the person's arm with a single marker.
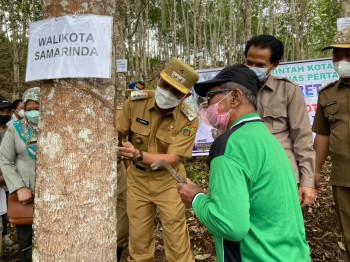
(321, 143)
(2, 179)
(301, 135)
(321, 146)
(129, 152)
(7, 161)
(225, 210)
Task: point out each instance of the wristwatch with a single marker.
(138, 158)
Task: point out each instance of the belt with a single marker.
(145, 169)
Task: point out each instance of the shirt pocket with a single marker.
(276, 119)
(164, 139)
(140, 136)
(331, 113)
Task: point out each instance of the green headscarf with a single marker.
(32, 94)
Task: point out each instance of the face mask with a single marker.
(218, 119)
(4, 119)
(165, 99)
(342, 68)
(261, 73)
(21, 113)
(33, 116)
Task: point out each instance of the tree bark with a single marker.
(187, 33)
(344, 8)
(75, 197)
(15, 50)
(246, 7)
(271, 16)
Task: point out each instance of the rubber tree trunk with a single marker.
(75, 194)
(344, 8)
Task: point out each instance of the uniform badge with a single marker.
(331, 119)
(138, 95)
(186, 132)
(139, 140)
(142, 121)
(329, 104)
(188, 112)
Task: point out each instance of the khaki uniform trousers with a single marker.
(341, 197)
(122, 218)
(146, 192)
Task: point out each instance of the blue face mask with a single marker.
(261, 72)
(33, 116)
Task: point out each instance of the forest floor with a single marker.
(322, 228)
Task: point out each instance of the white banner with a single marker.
(70, 47)
(343, 23)
(311, 75)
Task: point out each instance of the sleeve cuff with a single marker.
(195, 197)
(307, 181)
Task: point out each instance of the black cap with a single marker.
(5, 103)
(240, 74)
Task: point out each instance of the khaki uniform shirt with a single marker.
(283, 109)
(332, 119)
(172, 133)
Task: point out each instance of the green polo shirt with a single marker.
(252, 208)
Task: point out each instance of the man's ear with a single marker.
(236, 97)
(158, 78)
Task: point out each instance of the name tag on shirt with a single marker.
(142, 121)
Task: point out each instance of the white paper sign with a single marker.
(70, 47)
(122, 65)
(343, 23)
(200, 54)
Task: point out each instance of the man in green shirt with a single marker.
(252, 207)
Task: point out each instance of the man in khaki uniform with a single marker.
(161, 126)
(332, 128)
(283, 109)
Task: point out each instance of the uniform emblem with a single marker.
(178, 77)
(188, 112)
(186, 132)
(138, 95)
(170, 127)
(331, 119)
(139, 140)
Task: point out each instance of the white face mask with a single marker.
(21, 113)
(165, 99)
(261, 72)
(342, 68)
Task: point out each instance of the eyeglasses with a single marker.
(211, 94)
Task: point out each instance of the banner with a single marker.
(70, 47)
(311, 75)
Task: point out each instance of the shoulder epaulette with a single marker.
(285, 79)
(139, 95)
(188, 112)
(327, 86)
